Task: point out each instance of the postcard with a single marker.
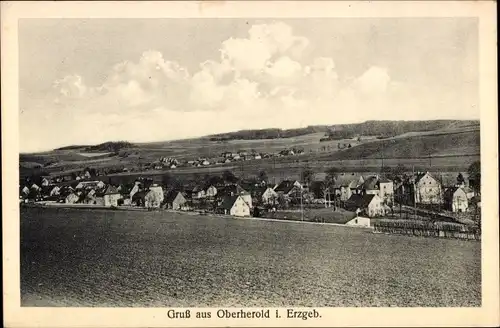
(230, 164)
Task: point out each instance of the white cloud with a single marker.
(374, 81)
(71, 86)
(284, 68)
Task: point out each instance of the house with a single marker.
(151, 197)
(469, 192)
(198, 193)
(90, 184)
(455, 199)
(346, 185)
(428, 190)
(236, 157)
(386, 191)
(24, 191)
(35, 187)
(173, 166)
(45, 182)
(211, 191)
(88, 197)
(138, 198)
(384, 188)
(236, 190)
(176, 200)
(135, 189)
(235, 206)
(370, 185)
(266, 195)
(55, 191)
(65, 190)
(205, 162)
(111, 196)
(360, 221)
(257, 156)
(71, 198)
(288, 187)
(369, 204)
(228, 160)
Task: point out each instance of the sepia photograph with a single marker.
(250, 162)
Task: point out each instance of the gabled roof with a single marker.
(259, 192)
(228, 202)
(370, 183)
(172, 195)
(235, 189)
(420, 175)
(450, 192)
(285, 186)
(359, 201)
(111, 190)
(348, 180)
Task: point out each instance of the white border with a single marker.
(15, 316)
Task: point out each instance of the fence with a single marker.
(427, 229)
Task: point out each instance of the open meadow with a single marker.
(99, 258)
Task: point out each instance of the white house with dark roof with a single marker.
(111, 196)
(456, 200)
(235, 206)
(368, 204)
(428, 189)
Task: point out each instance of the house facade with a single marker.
(386, 191)
(235, 206)
(428, 190)
(368, 204)
(55, 191)
(269, 196)
(111, 196)
(211, 192)
(152, 199)
(71, 198)
(178, 202)
(455, 200)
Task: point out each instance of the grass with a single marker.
(102, 258)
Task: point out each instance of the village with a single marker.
(346, 198)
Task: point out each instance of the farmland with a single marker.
(75, 257)
(449, 149)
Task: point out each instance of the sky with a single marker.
(86, 81)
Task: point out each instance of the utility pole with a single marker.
(301, 206)
(414, 193)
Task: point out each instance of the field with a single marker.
(449, 149)
(73, 257)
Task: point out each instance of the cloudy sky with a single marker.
(96, 80)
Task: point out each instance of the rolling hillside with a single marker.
(451, 140)
(443, 144)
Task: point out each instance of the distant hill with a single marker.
(439, 144)
(385, 129)
(112, 146)
(382, 129)
(73, 147)
(267, 133)
(380, 139)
